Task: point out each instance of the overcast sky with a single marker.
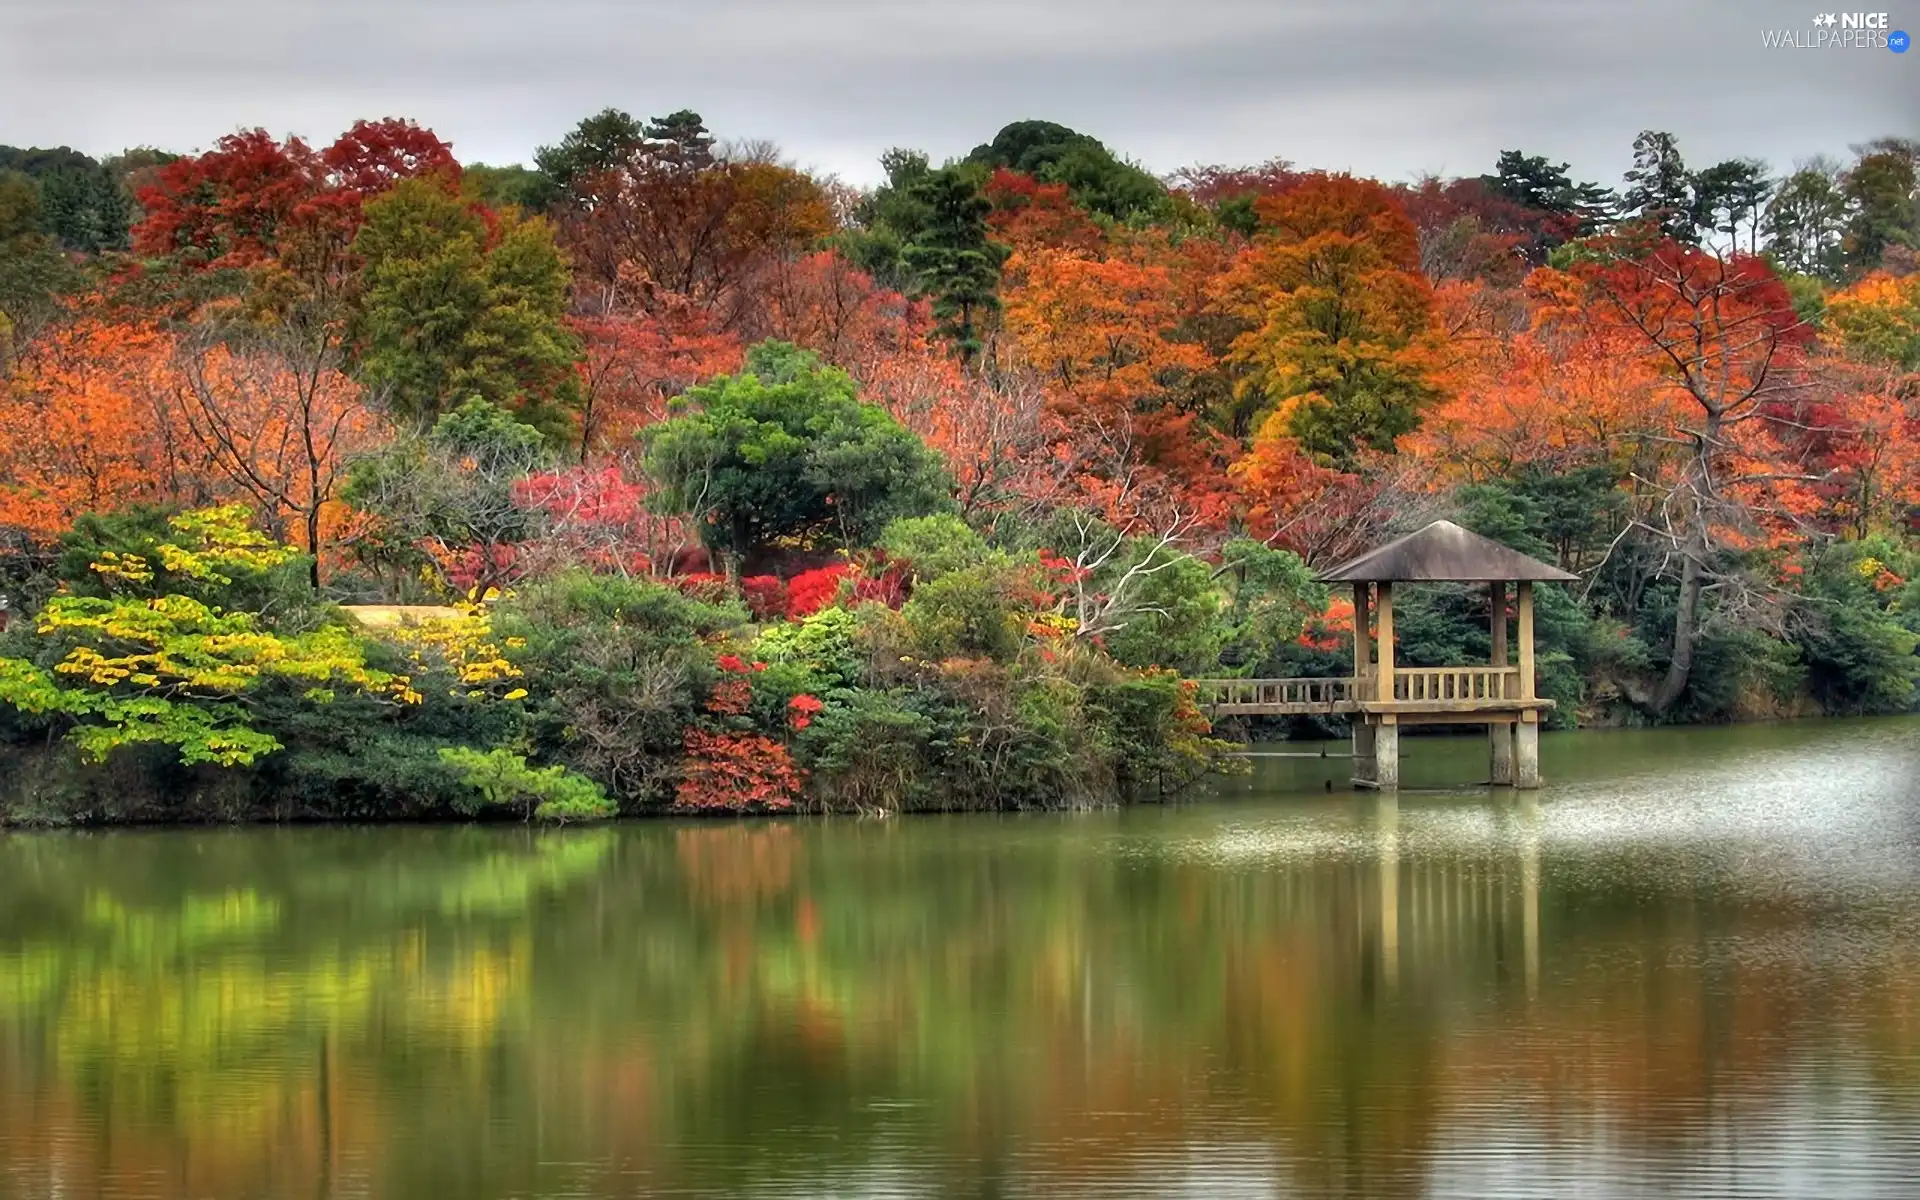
(1385, 87)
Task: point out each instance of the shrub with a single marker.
(502, 778)
(967, 613)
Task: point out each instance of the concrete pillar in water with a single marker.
(1500, 745)
(1526, 739)
(1386, 755)
(1364, 764)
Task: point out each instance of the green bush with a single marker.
(970, 612)
(501, 778)
(615, 670)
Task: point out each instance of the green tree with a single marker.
(602, 142)
(33, 273)
(1730, 196)
(1659, 187)
(681, 140)
(450, 311)
(952, 259)
(450, 495)
(889, 218)
(1531, 181)
(501, 778)
(1883, 196)
(1805, 221)
(786, 451)
(1095, 178)
(509, 186)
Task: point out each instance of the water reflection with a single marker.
(1651, 978)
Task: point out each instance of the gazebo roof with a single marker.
(1444, 552)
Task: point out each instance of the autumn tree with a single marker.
(454, 309)
(1340, 322)
(671, 222)
(252, 199)
(1099, 330)
(271, 409)
(1724, 336)
(991, 426)
(83, 428)
(633, 362)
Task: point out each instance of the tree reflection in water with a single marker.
(1352, 996)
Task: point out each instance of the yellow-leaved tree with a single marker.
(150, 660)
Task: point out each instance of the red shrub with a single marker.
(802, 708)
(811, 591)
(736, 772)
(766, 597)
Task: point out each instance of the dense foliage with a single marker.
(702, 483)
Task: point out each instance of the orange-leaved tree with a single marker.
(271, 412)
(1728, 346)
(1101, 333)
(1341, 335)
(84, 427)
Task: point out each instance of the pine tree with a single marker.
(680, 140)
(1660, 190)
(952, 259)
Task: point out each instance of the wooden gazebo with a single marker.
(1381, 696)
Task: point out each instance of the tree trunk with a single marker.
(1686, 623)
(313, 547)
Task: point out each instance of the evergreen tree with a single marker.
(786, 452)
(1096, 179)
(1531, 181)
(608, 139)
(1804, 222)
(952, 259)
(680, 140)
(1880, 191)
(1660, 190)
(1729, 196)
(112, 211)
(888, 219)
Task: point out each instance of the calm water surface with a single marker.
(1688, 967)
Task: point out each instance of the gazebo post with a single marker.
(1526, 731)
(1500, 733)
(1363, 739)
(1386, 735)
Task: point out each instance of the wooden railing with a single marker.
(1230, 694)
(1438, 685)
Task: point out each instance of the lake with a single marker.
(1689, 966)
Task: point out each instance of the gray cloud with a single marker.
(1392, 87)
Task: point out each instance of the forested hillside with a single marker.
(738, 488)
